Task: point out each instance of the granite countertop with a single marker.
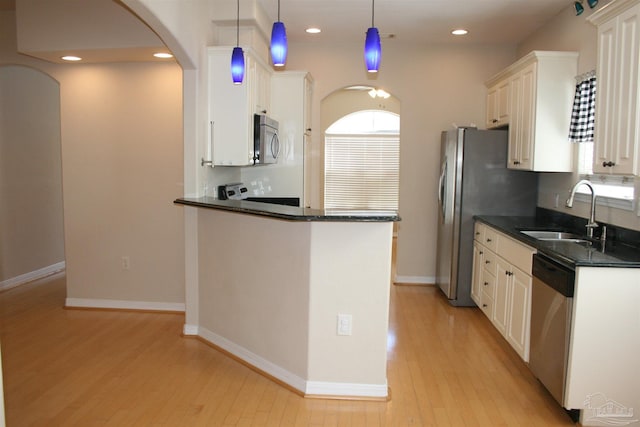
(618, 252)
(291, 213)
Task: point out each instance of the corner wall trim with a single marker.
(190, 330)
(321, 388)
(123, 305)
(31, 276)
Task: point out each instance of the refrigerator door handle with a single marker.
(441, 184)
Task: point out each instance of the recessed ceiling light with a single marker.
(313, 30)
(163, 55)
(459, 32)
(71, 58)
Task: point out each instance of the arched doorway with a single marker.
(361, 124)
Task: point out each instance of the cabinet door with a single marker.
(498, 105)
(605, 126)
(478, 267)
(626, 149)
(515, 125)
(492, 108)
(616, 141)
(521, 129)
(261, 88)
(528, 107)
(503, 103)
(501, 296)
(308, 97)
(229, 116)
(520, 312)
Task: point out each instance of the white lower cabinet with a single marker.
(502, 285)
(476, 280)
(520, 303)
(501, 310)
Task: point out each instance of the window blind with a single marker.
(361, 171)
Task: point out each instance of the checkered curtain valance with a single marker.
(584, 109)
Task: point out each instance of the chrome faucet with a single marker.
(592, 218)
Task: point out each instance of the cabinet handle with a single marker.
(516, 162)
(608, 164)
(487, 262)
(481, 253)
(308, 129)
(477, 233)
(488, 240)
(494, 121)
(484, 305)
(486, 283)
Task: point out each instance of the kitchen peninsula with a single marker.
(299, 294)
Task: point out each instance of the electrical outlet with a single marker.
(126, 263)
(345, 324)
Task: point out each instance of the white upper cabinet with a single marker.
(498, 105)
(538, 91)
(617, 102)
(231, 106)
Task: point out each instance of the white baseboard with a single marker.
(314, 388)
(253, 359)
(190, 330)
(320, 388)
(31, 276)
(123, 305)
(415, 280)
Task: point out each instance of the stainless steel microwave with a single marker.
(266, 144)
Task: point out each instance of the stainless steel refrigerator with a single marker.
(474, 180)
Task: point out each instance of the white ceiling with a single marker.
(407, 21)
(420, 21)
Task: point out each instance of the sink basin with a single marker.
(555, 236)
(550, 235)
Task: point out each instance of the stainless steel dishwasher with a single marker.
(551, 305)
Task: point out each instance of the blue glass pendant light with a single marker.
(579, 7)
(278, 42)
(237, 65)
(237, 57)
(592, 3)
(372, 49)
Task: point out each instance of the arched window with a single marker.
(362, 152)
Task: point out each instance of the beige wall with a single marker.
(570, 32)
(122, 145)
(122, 157)
(436, 86)
(31, 233)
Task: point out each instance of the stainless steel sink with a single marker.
(555, 236)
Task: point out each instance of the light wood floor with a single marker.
(447, 367)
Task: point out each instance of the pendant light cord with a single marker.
(373, 11)
(278, 10)
(238, 25)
